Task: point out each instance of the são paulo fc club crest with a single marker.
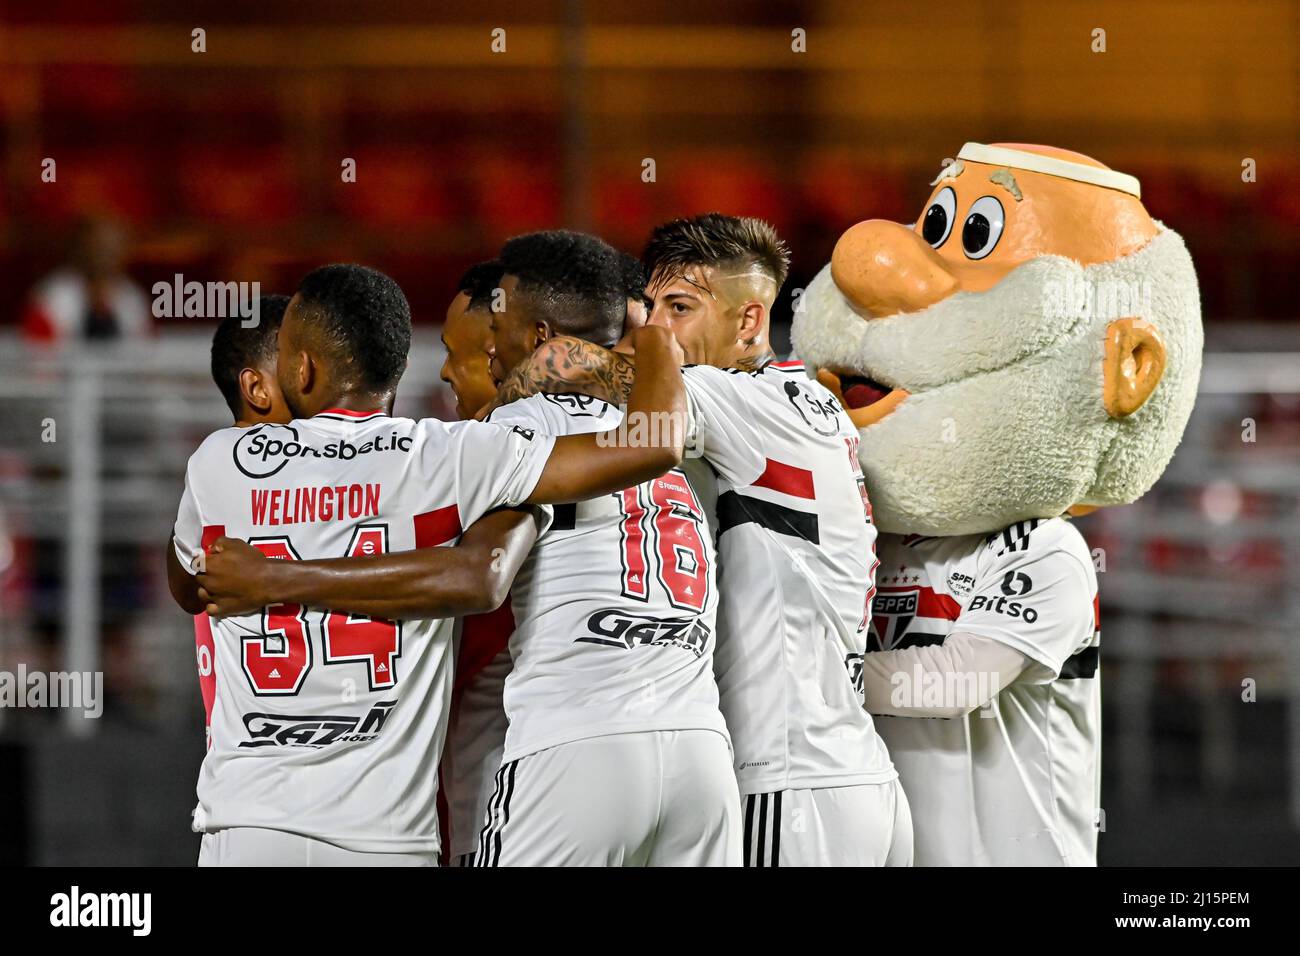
(892, 613)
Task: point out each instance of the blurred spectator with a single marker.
(92, 298)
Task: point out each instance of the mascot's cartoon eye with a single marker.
(983, 227)
(938, 218)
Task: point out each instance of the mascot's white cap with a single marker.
(1051, 166)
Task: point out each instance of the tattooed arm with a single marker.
(565, 365)
(584, 466)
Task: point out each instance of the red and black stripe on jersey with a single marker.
(796, 484)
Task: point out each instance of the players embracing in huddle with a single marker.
(641, 646)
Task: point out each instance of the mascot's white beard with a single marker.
(1005, 420)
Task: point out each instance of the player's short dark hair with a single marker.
(480, 281)
(634, 277)
(577, 281)
(713, 239)
(363, 318)
(235, 348)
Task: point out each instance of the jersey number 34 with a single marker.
(278, 660)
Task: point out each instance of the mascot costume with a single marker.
(1029, 349)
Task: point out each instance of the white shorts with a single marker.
(657, 798)
(866, 825)
(476, 736)
(256, 846)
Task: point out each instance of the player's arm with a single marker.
(184, 588)
(971, 669)
(472, 577)
(187, 532)
(566, 365)
(586, 466)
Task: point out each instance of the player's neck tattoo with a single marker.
(752, 363)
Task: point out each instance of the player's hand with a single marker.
(659, 341)
(233, 578)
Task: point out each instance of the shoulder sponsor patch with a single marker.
(578, 406)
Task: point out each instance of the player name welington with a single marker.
(277, 506)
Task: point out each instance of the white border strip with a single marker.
(1051, 166)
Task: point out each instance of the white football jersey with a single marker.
(797, 553)
(328, 725)
(1016, 783)
(615, 608)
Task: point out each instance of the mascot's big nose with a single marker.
(884, 268)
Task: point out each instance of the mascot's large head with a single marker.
(1030, 345)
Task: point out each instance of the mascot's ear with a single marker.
(1133, 366)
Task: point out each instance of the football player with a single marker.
(476, 729)
(353, 706)
(243, 369)
(795, 544)
(616, 752)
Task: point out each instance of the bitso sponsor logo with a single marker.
(1012, 609)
